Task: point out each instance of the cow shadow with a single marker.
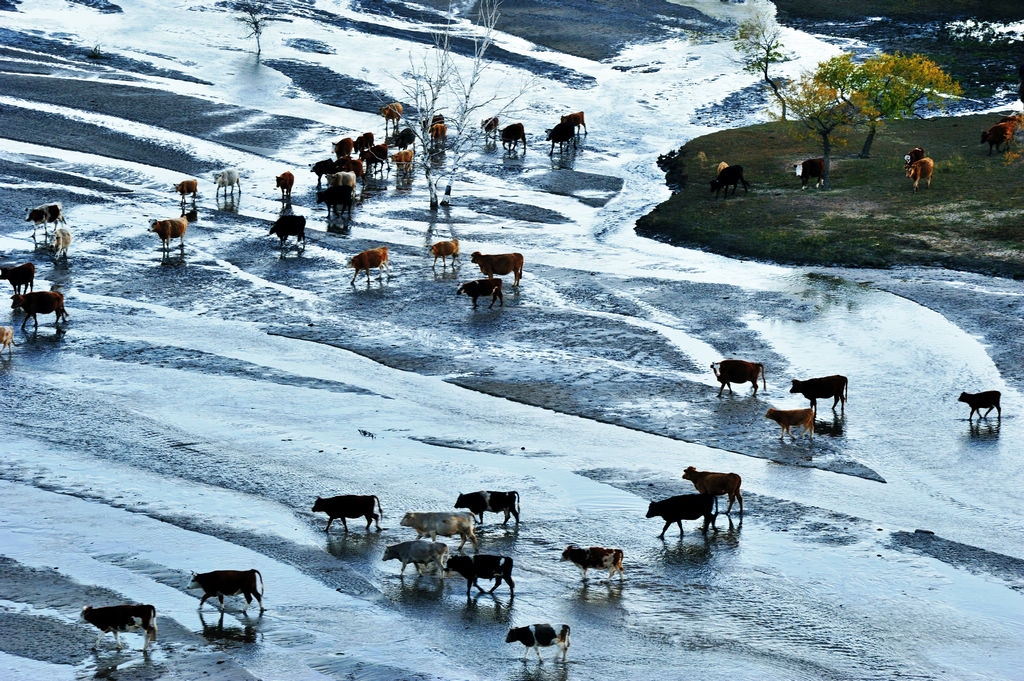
(340, 225)
(565, 160)
(356, 542)
(414, 588)
(228, 202)
(557, 671)
(172, 258)
(496, 608)
(244, 632)
(446, 274)
(109, 663)
(833, 427)
(600, 590)
(983, 429)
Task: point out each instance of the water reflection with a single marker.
(228, 203)
(983, 429)
(495, 608)
(243, 632)
(832, 427)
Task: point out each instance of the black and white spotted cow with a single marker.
(495, 502)
(539, 636)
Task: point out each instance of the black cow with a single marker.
(561, 133)
(405, 137)
(483, 566)
(978, 401)
(815, 389)
(733, 175)
(483, 287)
(118, 618)
(221, 583)
(290, 225)
(349, 506)
(338, 195)
(324, 167)
(495, 502)
(683, 507)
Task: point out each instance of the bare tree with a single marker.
(254, 16)
(759, 40)
(439, 84)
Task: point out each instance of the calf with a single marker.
(324, 167)
(117, 618)
(443, 249)
(483, 287)
(431, 524)
(7, 339)
(708, 482)
(576, 120)
(44, 215)
(997, 135)
(921, 170)
(912, 156)
(482, 566)
(595, 557)
(187, 187)
(21, 277)
(813, 389)
(61, 242)
(730, 371)
(418, 553)
(221, 583)
(373, 257)
(334, 197)
(285, 181)
(506, 263)
(812, 168)
(787, 418)
(172, 228)
(349, 506)
(495, 502)
(561, 133)
(40, 302)
(683, 507)
(733, 175)
(290, 225)
(539, 636)
(978, 401)
(512, 135)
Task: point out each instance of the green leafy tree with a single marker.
(823, 112)
(759, 41)
(889, 87)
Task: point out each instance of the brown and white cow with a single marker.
(730, 371)
(789, 418)
(912, 156)
(117, 618)
(373, 257)
(595, 557)
(815, 389)
(221, 583)
(505, 263)
(709, 482)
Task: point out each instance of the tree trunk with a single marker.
(826, 143)
(866, 151)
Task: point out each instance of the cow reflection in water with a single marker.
(242, 633)
(832, 427)
(984, 430)
(228, 203)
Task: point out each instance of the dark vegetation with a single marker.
(971, 219)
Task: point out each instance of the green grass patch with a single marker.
(972, 217)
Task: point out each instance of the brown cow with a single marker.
(912, 156)
(505, 263)
(978, 401)
(490, 126)
(351, 165)
(812, 168)
(221, 583)
(118, 618)
(391, 112)
(998, 134)
(443, 249)
(363, 142)
(438, 134)
(40, 302)
(403, 160)
(511, 135)
(788, 418)
(596, 557)
(21, 277)
(376, 156)
(7, 339)
(187, 187)
(483, 287)
(921, 170)
(730, 371)
(576, 120)
(707, 482)
(173, 228)
(813, 389)
(285, 182)
(373, 257)
(343, 147)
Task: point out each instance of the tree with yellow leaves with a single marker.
(889, 87)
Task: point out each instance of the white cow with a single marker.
(227, 178)
(61, 241)
(431, 524)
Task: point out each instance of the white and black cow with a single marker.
(495, 502)
(483, 566)
(539, 636)
(117, 618)
(683, 507)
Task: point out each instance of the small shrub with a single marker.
(96, 52)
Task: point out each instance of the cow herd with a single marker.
(917, 166)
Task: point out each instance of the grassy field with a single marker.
(972, 217)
